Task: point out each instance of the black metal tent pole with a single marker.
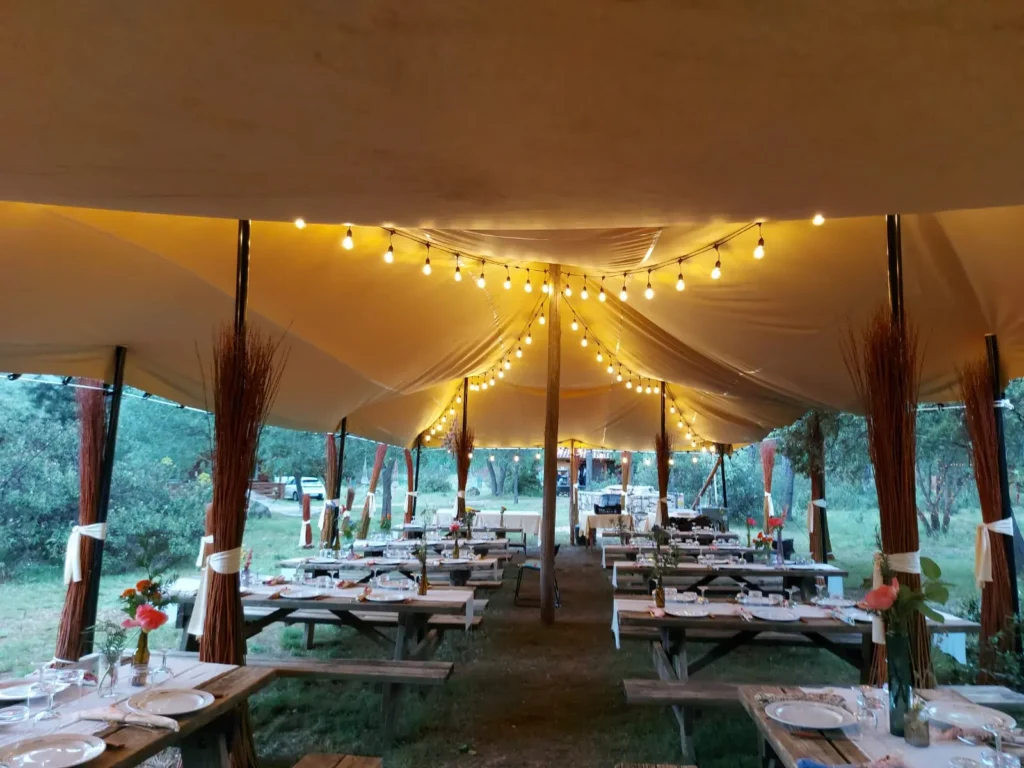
(465, 406)
(992, 352)
(336, 490)
(242, 276)
(103, 502)
(663, 503)
(725, 489)
(416, 474)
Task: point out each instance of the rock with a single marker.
(257, 510)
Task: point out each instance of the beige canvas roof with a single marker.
(606, 136)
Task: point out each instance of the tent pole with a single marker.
(547, 561)
(725, 492)
(242, 276)
(992, 352)
(663, 505)
(574, 510)
(341, 459)
(416, 476)
(465, 406)
(103, 502)
(894, 251)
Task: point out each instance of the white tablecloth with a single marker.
(528, 521)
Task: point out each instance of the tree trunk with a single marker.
(502, 473)
(788, 481)
(551, 408)
(385, 500)
(493, 478)
(410, 485)
(515, 484)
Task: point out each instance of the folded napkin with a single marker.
(274, 581)
(115, 715)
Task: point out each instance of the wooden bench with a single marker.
(485, 583)
(339, 761)
(694, 693)
(361, 670)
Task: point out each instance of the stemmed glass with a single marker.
(703, 598)
(792, 592)
(819, 586)
(163, 672)
(49, 684)
(744, 588)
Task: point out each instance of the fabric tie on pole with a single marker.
(983, 548)
(73, 556)
(226, 563)
(306, 524)
(462, 494)
(820, 503)
(412, 493)
(902, 562)
(323, 516)
(203, 541)
(768, 504)
(371, 499)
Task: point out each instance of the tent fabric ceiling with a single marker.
(606, 136)
(387, 346)
(514, 114)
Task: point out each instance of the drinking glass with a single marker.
(865, 712)
(162, 673)
(819, 586)
(50, 685)
(792, 592)
(742, 597)
(703, 599)
(72, 676)
(108, 681)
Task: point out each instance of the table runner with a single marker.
(188, 673)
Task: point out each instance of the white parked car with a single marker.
(312, 486)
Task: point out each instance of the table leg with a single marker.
(409, 626)
(206, 748)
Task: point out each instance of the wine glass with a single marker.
(162, 673)
(703, 590)
(792, 592)
(50, 685)
(819, 587)
(742, 597)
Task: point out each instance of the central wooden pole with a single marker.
(547, 554)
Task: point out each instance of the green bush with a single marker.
(435, 483)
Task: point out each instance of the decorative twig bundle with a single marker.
(329, 532)
(885, 372)
(246, 377)
(92, 428)
(662, 455)
(461, 445)
(370, 503)
(977, 390)
(767, 468)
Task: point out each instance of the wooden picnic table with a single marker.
(458, 572)
(702, 535)
(726, 629)
(200, 735)
(438, 545)
(783, 746)
(610, 553)
(798, 575)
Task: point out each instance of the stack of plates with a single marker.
(814, 715)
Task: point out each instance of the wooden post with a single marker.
(103, 502)
(547, 561)
(710, 478)
(992, 351)
(894, 252)
(574, 513)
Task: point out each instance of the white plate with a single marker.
(322, 561)
(967, 715)
(57, 750)
(299, 593)
(387, 596)
(809, 714)
(386, 561)
(834, 602)
(774, 614)
(456, 561)
(13, 715)
(169, 701)
(19, 690)
(688, 611)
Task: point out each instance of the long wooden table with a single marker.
(457, 572)
(200, 735)
(728, 630)
(611, 553)
(802, 576)
(782, 746)
(467, 546)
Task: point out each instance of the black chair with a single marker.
(533, 564)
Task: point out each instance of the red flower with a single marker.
(774, 522)
(127, 593)
(143, 585)
(147, 618)
(751, 522)
(881, 598)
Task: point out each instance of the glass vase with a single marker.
(455, 549)
(659, 595)
(108, 682)
(897, 649)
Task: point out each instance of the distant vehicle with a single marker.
(312, 486)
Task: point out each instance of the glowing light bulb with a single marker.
(484, 386)
(347, 243)
(680, 285)
(443, 418)
(647, 390)
(648, 291)
(508, 365)
(433, 430)
(611, 369)
(300, 223)
(759, 250)
(426, 438)
(689, 435)
(601, 296)
(657, 390)
(694, 459)
(568, 289)
(426, 266)
(583, 291)
(647, 462)
(717, 271)
(541, 319)
(492, 381)
(516, 458)
(629, 384)
(583, 341)
(639, 389)
(480, 282)
(529, 338)
(458, 398)
(600, 357)
(458, 273)
(671, 409)
(501, 374)
(537, 457)
(618, 376)
(544, 287)
(671, 462)
(491, 457)
(519, 352)
(389, 254)
(451, 411)
(622, 294)
(575, 325)
(528, 287)
(818, 220)
(508, 280)
(680, 425)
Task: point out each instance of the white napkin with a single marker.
(115, 715)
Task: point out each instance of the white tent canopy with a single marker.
(603, 136)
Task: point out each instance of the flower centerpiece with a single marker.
(112, 640)
(420, 552)
(775, 525)
(454, 530)
(470, 518)
(751, 524)
(763, 543)
(664, 558)
(142, 603)
(897, 605)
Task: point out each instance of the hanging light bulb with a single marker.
(600, 357)
(508, 365)
(501, 374)
(689, 435)
(583, 291)
(575, 325)
(347, 243)
(583, 341)
(618, 376)
(480, 282)
(622, 294)
(601, 296)
(759, 250)
(639, 389)
(541, 320)
(694, 460)
(515, 458)
(537, 457)
(680, 285)
(680, 425)
(568, 288)
(647, 389)
(433, 430)
(818, 220)
(544, 288)
(458, 398)
(625, 459)
(529, 337)
(484, 386)
(519, 351)
(426, 264)
(611, 369)
(657, 391)
(629, 384)
(300, 223)
(528, 288)
(443, 418)
(508, 280)
(492, 381)
(717, 271)
(458, 269)
(426, 438)
(451, 411)
(672, 408)
(648, 291)
(389, 254)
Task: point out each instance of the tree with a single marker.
(943, 466)
(386, 479)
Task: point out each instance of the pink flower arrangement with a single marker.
(774, 523)
(882, 598)
(147, 618)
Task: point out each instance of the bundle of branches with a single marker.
(92, 426)
(329, 531)
(977, 390)
(460, 443)
(662, 455)
(246, 377)
(885, 372)
(378, 463)
(767, 467)
(350, 498)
